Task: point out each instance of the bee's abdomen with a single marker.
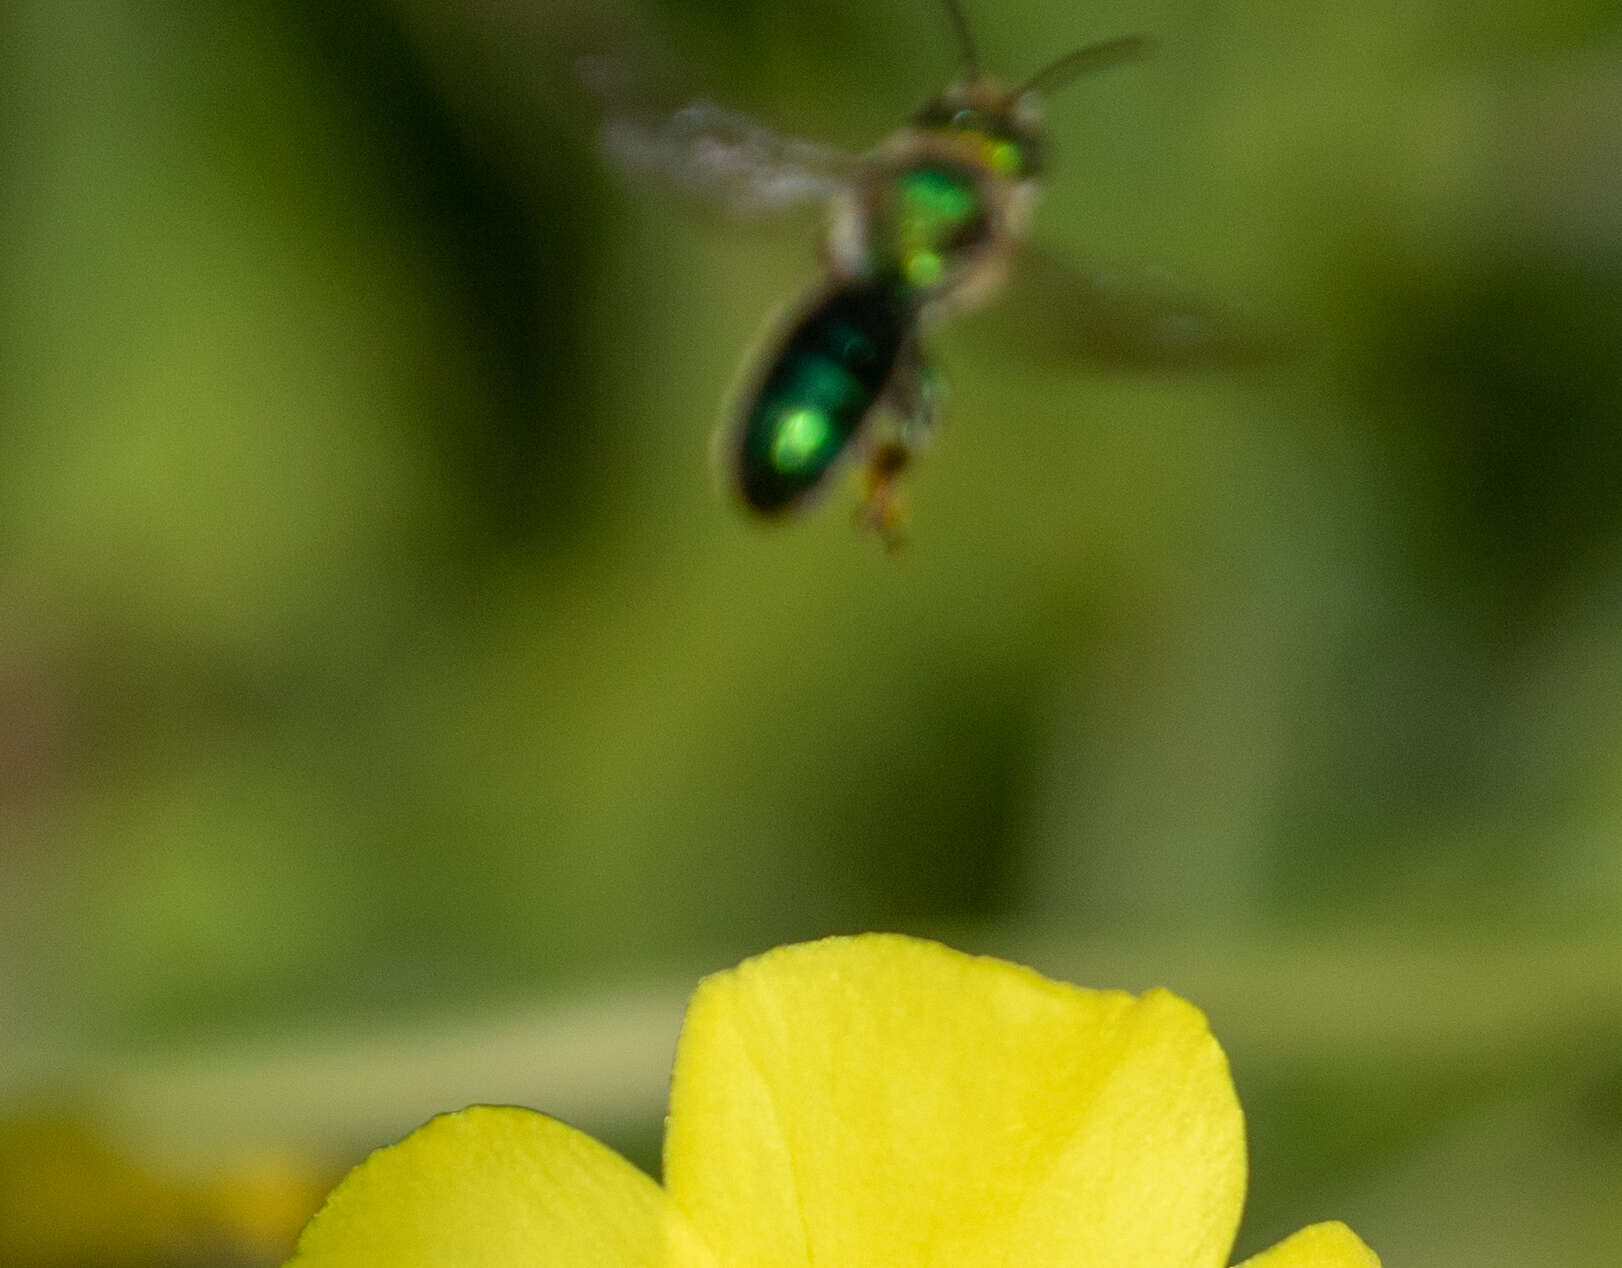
(827, 376)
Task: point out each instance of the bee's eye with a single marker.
(941, 114)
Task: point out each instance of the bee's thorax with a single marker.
(939, 208)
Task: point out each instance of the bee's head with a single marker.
(1008, 125)
(1007, 121)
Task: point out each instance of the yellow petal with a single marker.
(497, 1188)
(882, 1100)
(1329, 1245)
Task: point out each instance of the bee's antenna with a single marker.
(970, 57)
(1056, 74)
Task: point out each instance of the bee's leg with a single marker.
(883, 505)
(914, 403)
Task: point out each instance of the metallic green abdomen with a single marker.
(831, 371)
(930, 214)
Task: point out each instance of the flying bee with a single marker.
(925, 225)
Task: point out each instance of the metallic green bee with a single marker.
(923, 226)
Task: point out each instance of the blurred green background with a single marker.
(392, 715)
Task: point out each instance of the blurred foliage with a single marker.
(375, 653)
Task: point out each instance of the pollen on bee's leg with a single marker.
(882, 509)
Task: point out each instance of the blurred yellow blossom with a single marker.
(71, 1199)
(867, 1100)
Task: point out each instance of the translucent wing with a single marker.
(725, 158)
(1146, 322)
(716, 155)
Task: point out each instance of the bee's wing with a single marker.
(718, 156)
(1146, 322)
(725, 158)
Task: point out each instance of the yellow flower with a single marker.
(868, 1102)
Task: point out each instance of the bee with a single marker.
(923, 226)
